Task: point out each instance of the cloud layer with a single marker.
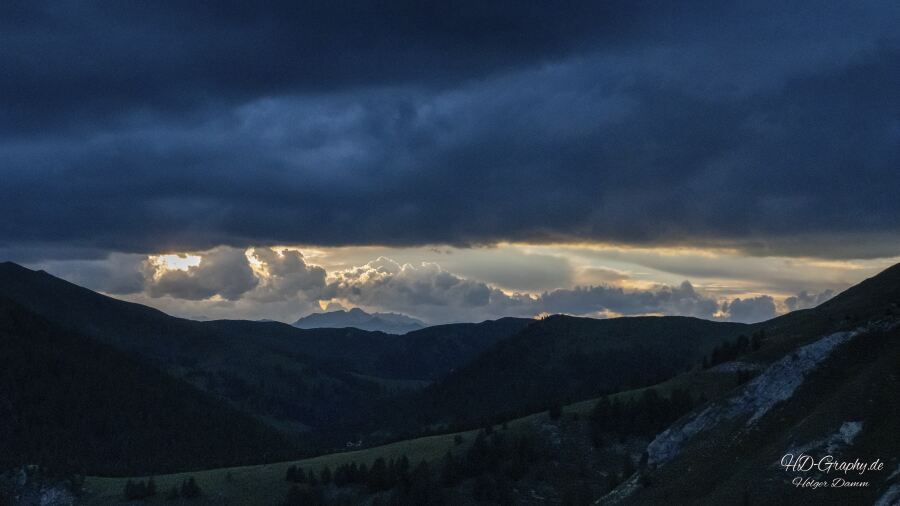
(260, 282)
(147, 128)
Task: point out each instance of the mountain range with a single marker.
(644, 410)
(391, 323)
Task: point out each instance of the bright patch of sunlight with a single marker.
(175, 262)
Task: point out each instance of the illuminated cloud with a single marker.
(425, 290)
(222, 272)
(432, 293)
(285, 275)
(176, 262)
(284, 283)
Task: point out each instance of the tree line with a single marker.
(136, 490)
(645, 415)
(490, 465)
(732, 350)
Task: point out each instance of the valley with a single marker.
(560, 410)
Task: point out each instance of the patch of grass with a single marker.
(266, 485)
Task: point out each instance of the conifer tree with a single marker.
(377, 479)
(449, 471)
(325, 476)
(128, 492)
(190, 489)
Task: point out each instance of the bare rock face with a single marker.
(776, 383)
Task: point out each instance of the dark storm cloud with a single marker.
(80, 61)
(136, 128)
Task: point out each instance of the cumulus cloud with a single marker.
(283, 284)
(750, 310)
(804, 300)
(432, 293)
(667, 300)
(262, 275)
(222, 271)
(424, 289)
(286, 275)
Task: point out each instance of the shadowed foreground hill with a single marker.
(76, 405)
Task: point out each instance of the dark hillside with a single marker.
(76, 405)
(564, 359)
(297, 380)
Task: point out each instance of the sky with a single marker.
(454, 162)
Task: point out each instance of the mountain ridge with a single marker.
(389, 323)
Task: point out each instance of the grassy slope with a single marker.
(265, 484)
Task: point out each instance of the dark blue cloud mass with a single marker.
(143, 127)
